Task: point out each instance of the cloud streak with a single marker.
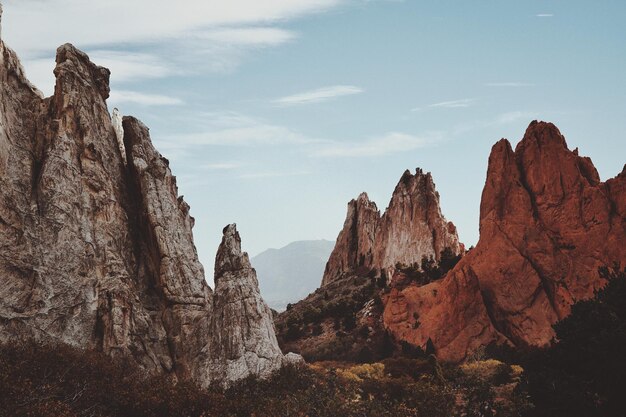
(390, 143)
(123, 96)
(222, 166)
(510, 84)
(318, 95)
(272, 174)
(231, 129)
(54, 22)
(194, 36)
(453, 104)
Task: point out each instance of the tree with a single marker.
(584, 374)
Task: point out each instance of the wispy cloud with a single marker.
(253, 135)
(466, 102)
(259, 36)
(510, 84)
(319, 95)
(390, 143)
(513, 116)
(273, 174)
(232, 129)
(53, 22)
(545, 15)
(129, 66)
(499, 120)
(122, 96)
(195, 36)
(222, 166)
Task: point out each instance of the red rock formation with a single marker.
(411, 228)
(547, 223)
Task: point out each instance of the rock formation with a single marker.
(547, 223)
(96, 246)
(412, 227)
(242, 327)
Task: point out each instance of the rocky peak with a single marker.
(412, 227)
(547, 224)
(74, 71)
(229, 255)
(242, 326)
(355, 243)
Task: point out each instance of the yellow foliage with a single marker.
(516, 371)
(484, 370)
(365, 371)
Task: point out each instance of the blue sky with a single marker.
(275, 113)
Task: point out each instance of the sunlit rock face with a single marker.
(411, 228)
(547, 224)
(96, 245)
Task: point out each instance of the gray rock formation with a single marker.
(242, 327)
(412, 227)
(99, 253)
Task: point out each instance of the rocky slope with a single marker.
(547, 224)
(96, 246)
(411, 228)
(342, 320)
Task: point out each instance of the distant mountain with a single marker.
(289, 274)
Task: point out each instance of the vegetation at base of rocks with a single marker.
(331, 324)
(343, 320)
(428, 270)
(61, 381)
(584, 373)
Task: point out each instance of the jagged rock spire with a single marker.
(412, 227)
(244, 339)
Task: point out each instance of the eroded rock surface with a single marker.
(547, 224)
(244, 340)
(96, 246)
(412, 227)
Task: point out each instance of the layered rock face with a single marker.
(242, 324)
(412, 227)
(96, 246)
(547, 224)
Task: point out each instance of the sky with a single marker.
(275, 113)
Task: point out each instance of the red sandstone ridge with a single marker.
(547, 223)
(412, 227)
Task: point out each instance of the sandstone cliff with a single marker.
(412, 227)
(96, 246)
(547, 224)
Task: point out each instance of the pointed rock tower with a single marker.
(412, 227)
(242, 328)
